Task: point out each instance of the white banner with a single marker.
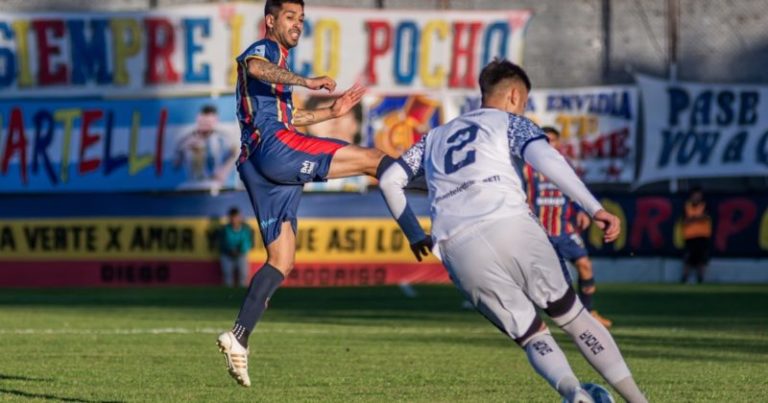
(703, 130)
(190, 49)
(597, 128)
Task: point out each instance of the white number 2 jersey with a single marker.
(469, 170)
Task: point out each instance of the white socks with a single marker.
(598, 347)
(549, 361)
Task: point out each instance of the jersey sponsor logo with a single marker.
(260, 50)
(453, 192)
(550, 201)
(544, 184)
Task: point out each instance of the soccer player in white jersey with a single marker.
(494, 249)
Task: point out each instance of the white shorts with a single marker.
(505, 268)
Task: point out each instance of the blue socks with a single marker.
(586, 299)
(263, 284)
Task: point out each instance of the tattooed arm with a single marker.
(272, 73)
(340, 106)
(305, 117)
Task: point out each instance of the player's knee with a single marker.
(282, 261)
(284, 264)
(537, 327)
(564, 309)
(372, 157)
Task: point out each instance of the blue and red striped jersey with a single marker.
(554, 209)
(262, 108)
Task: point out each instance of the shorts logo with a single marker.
(577, 240)
(308, 167)
(266, 223)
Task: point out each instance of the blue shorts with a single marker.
(275, 173)
(569, 246)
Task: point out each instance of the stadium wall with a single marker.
(344, 240)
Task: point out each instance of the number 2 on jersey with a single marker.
(459, 140)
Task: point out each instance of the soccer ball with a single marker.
(599, 394)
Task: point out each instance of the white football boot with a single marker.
(236, 356)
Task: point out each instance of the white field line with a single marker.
(262, 329)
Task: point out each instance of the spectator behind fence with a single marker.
(236, 240)
(697, 231)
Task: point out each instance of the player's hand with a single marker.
(319, 83)
(346, 101)
(583, 220)
(609, 223)
(422, 248)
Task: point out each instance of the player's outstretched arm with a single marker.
(392, 184)
(549, 162)
(343, 104)
(272, 73)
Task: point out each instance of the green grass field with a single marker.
(683, 343)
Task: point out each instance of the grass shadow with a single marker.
(4, 377)
(28, 395)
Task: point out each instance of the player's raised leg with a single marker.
(354, 160)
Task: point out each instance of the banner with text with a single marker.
(191, 49)
(597, 126)
(118, 145)
(652, 226)
(703, 130)
(185, 251)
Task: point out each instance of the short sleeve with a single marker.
(520, 133)
(413, 158)
(264, 50)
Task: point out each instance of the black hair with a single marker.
(273, 6)
(499, 70)
(694, 190)
(233, 211)
(550, 129)
(208, 109)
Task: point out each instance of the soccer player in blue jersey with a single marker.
(276, 160)
(556, 211)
